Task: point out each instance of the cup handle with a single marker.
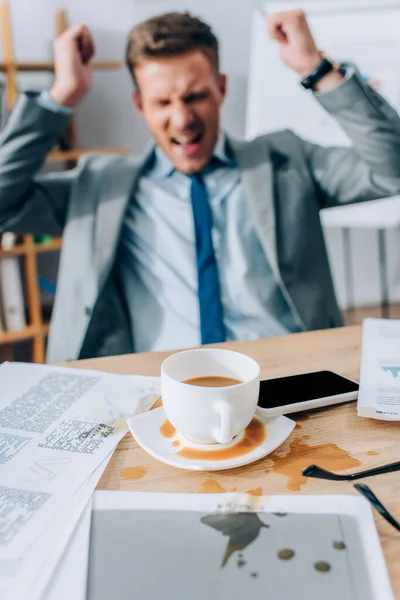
(223, 435)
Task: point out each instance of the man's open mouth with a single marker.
(186, 140)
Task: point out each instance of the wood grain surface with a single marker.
(334, 438)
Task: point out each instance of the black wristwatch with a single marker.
(325, 66)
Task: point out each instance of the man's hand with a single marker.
(297, 47)
(73, 51)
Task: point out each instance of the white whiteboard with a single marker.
(364, 33)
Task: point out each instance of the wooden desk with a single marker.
(334, 438)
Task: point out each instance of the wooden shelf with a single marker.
(38, 327)
(65, 155)
(27, 333)
(17, 250)
(49, 66)
(49, 246)
(21, 249)
(7, 337)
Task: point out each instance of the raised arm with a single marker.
(32, 203)
(371, 168)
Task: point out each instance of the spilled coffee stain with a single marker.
(176, 443)
(242, 529)
(133, 473)
(256, 492)
(210, 486)
(167, 430)
(256, 503)
(301, 455)
(339, 545)
(286, 554)
(157, 403)
(373, 453)
(322, 566)
(253, 436)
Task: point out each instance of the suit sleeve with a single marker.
(29, 202)
(368, 170)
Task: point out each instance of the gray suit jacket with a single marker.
(287, 182)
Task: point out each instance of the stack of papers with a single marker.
(58, 429)
(379, 394)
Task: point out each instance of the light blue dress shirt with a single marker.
(157, 258)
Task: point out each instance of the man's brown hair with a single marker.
(168, 35)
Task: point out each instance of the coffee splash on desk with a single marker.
(211, 486)
(301, 455)
(256, 492)
(133, 473)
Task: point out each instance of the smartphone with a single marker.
(286, 395)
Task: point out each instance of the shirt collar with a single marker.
(162, 167)
(222, 150)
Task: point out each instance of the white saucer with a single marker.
(145, 428)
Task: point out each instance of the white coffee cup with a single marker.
(209, 414)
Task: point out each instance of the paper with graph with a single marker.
(57, 426)
(379, 395)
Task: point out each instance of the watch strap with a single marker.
(325, 66)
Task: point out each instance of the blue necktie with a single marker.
(211, 314)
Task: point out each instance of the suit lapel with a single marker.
(116, 188)
(254, 162)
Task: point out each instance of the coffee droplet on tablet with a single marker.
(286, 554)
(339, 545)
(167, 430)
(322, 566)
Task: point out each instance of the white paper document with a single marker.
(58, 429)
(69, 578)
(379, 394)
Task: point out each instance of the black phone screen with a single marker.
(301, 388)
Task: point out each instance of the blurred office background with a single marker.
(106, 118)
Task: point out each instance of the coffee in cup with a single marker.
(210, 395)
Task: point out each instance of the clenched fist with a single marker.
(73, 51)
(297, 47)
